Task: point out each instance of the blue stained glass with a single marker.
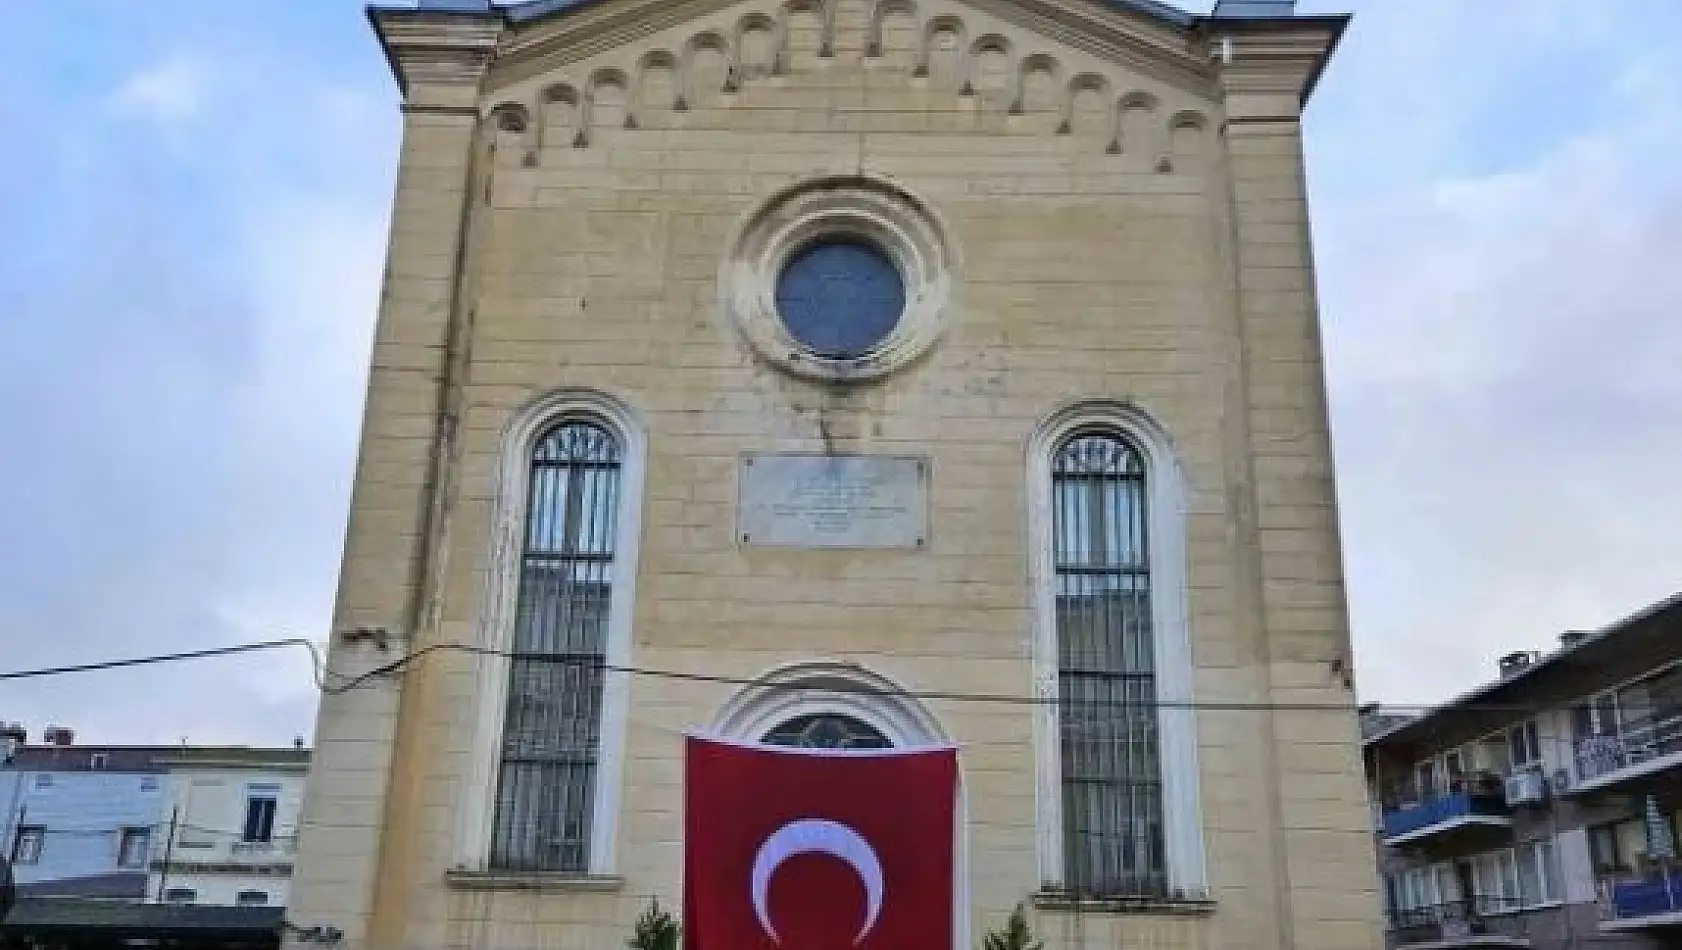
(840, 297)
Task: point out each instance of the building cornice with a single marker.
(1174, 54)
(1273, 57)
(432, 48)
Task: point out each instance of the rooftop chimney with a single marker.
(1514, 663)
(61, 736)
(12, 738)
(1253, 9)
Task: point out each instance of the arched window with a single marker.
(542, 786)
(1112, 785)
(843, 706)
(1116, 742)
(551, 730)
(827, 731)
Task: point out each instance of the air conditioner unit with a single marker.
(1526, 788)
(1561, 781)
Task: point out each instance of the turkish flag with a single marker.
(806, 849)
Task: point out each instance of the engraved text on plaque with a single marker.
(834, 501)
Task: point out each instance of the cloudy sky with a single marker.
(195, 196)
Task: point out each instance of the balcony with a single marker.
(274, 848)
(1448, 816)
(1652, 901)
(1636, 750)
(1476, 922)
(274, 856)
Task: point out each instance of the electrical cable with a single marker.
(397, 665)
(141, 826)
(323, 677)
(318, 668)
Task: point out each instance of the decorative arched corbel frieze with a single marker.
(1079, 83)
(1030, 64)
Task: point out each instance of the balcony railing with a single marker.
(273, 848)
(1640, 747)
(1652, 900)
(1481, 921)
(1415, 821)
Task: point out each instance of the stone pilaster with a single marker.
(1330, 897)
(362, 742)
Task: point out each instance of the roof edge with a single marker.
(1593, 637)
(528, 11)
(1335, 23)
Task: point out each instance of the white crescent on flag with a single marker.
(817, 836)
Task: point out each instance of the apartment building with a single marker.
(185, 846)
(231, 828)
(1541, 809)
(78, 819)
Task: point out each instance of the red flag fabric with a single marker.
(806, 849)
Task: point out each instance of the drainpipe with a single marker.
(8, 884)
(169, 851)
(13, 804)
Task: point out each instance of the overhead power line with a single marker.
(335, 683)
(147, 826)
(204, 654)
(397, 665)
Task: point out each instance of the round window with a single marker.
(843, 279)
(840, 297)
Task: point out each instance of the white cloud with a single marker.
(1502, 350)
(196, 335)
(168, 92)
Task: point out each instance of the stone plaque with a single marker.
(834, 501)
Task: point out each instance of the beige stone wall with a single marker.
(1119, 238)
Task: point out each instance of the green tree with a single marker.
(1015, 934)
(656, 930)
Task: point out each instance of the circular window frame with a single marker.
(855, 208)
(880, 259)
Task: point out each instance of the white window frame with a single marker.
(497, 616)
(28, 843)
(255, 792)
(1499, 861)
(1613, 691)
(1165, 532)
(1551, 888)
(1532, 743)
(133, 842)
(1417, 887)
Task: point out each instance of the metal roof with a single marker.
(43, 916)
(80, 758)
(1590, 642)
(130, 758)
(114, 884)
(525, 11)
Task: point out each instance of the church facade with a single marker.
(845, 373)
